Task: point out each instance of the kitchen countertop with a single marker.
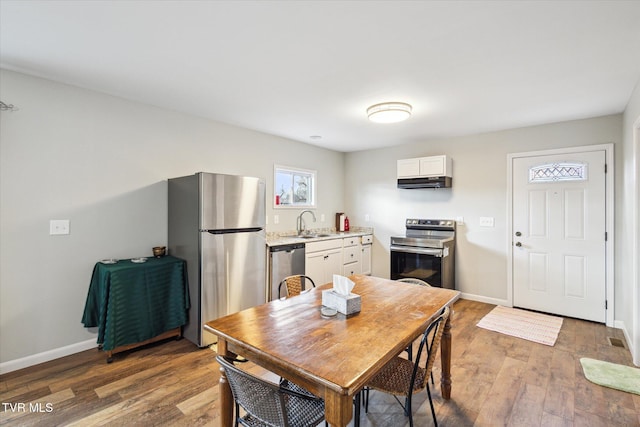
(288, 238)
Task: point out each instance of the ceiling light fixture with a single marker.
(389, 112)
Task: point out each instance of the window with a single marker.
(294, 187)
(558, 172)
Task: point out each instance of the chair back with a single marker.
(430, 342)
(261, 399)
(295, 284)
(414, 281)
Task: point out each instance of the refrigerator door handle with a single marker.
(234, 230)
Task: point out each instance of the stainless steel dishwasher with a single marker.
(284, 260)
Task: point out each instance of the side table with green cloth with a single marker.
(133, 302)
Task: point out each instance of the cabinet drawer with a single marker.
(352, 268)
(367, 240)
(323, 245)
(350, 241)
(351, 254)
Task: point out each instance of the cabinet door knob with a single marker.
(518, 244)
(518, 233)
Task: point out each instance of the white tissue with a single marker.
(342, 285)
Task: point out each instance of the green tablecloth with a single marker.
(130, 302)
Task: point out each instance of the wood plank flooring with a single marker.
(497, 381)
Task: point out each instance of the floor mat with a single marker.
(536, 327)
(620, 377)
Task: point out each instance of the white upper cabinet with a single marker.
(408, 168)
(425, 167)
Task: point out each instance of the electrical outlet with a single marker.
(276, 219)
(321, 217)
(58, 226)
(460, 220)
(486, 221)
(367, 218)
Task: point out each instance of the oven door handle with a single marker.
(414, 250)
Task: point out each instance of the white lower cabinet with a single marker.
(322, 260)
(346, 256)
(366, 259)
(365, 248)
(351, 256)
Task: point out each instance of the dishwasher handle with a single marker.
(286, 248)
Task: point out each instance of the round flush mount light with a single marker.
(389, 112)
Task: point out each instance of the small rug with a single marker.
(620, 377)
(536, 327)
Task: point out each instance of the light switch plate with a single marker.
(58, 226)
(487, 221)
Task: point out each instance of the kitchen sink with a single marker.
(314, 236)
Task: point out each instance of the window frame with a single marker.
(293, 171)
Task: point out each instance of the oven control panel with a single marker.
(430, 223)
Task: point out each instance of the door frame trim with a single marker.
(609, 217)
(635, 253)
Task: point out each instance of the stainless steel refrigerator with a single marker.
(216, 224)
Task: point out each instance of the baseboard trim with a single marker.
(619, 324)
(56, 353)
(488, 300)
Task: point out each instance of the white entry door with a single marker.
(559, 225)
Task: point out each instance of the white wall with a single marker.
(102, 162)
(479, 189)
(631, 225)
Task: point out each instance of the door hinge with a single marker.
(606, 236)
(606, 304)
(605, 168)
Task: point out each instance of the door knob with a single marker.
(518, 244)
(518, 233)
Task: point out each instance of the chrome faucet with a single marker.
(300, 224)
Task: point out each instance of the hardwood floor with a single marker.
(497, 380)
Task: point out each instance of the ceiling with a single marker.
(299, 69)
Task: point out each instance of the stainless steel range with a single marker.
(426, 252)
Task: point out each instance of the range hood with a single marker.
(425, 182)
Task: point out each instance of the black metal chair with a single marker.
(402, 377)
(294, 285)
(268, 404)
(420, 282)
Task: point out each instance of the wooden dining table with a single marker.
(333, 357)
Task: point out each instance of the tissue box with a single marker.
(345, 304)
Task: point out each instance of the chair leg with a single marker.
(433, 411)
(366, 400)
(356, 416)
